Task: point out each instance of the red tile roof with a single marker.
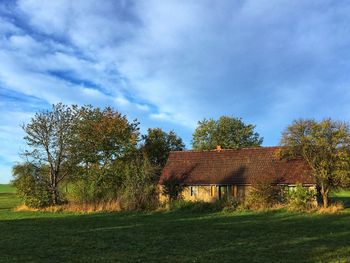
(234, 167)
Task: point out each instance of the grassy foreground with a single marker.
(277, 236)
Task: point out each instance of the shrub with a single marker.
(230, 205)
(139, 191)
(300, 198)
(265, 193)
(172, 188)
(30, 187)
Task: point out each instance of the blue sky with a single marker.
(172, 63)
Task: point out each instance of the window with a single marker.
(194, 190)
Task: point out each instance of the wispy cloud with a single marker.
(170, 63)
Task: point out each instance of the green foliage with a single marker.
(228, 132)
(325, 146)
(98, 184)
(101, 137)
(157, 144)
(31, 187)
(172, 189)
(103, 141)
(300, 198)
(265, 192)
(48, 136)
(139, 186)
(231, 205)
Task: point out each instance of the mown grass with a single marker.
(7, 188)
(275, 236)
(8, 199)
(342, 196)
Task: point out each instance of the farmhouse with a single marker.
(223, 173)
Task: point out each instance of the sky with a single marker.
(172, 63)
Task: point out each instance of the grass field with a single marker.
(276, 236)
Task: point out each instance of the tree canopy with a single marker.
(228, 132)
(49, 136)
(97, 152)
(157, 144)
(325, 146)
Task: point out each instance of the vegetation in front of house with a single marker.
(182, 235)
(265, 193)
(300, 198)
(325, 146)
(97, 158)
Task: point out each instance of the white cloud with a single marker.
(172, 63)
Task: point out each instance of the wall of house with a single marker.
(210, 193)
(206, 193)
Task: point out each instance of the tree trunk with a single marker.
(324, 193)
(54, 191)
(54, 195)
(325, 200)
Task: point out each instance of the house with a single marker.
(224, 173)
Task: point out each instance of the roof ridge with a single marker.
(238, 149)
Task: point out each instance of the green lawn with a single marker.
(277, 236)
(7, 188)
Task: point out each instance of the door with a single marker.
(223, 193)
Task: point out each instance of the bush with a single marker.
(139, 191)
(30, 187)
(265, 193)
(172, 188)
(230, 205)
(300, 198)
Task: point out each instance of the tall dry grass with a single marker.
(91, 207)
(334, 208)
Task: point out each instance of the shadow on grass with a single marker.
(276, 236)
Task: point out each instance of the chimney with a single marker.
(218, 148)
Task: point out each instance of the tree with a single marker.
(325, 146)
(157, 144)
(228, 132)
(103, 140)
(48, 136)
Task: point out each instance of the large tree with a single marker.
(325, 147)
(103, 139)
(49, 136)
(228, 132)
(157, 144)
